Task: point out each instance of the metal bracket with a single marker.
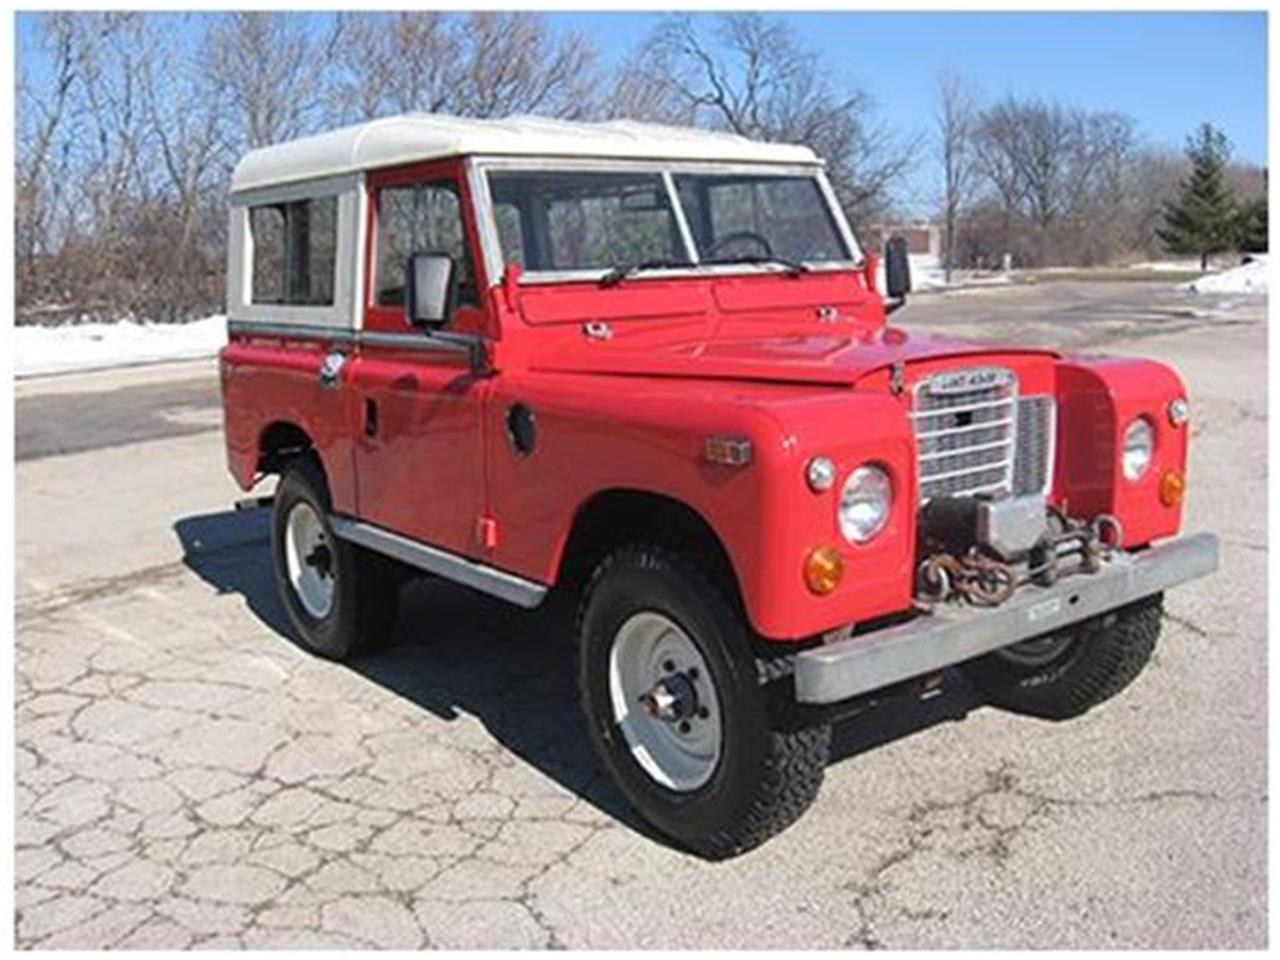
(331, 370)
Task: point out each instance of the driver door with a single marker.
(419, 467)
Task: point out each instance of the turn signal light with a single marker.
(1172, 487)
(823, 568)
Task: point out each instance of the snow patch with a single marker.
(1249, 277)
(91, 346)
(927, 273)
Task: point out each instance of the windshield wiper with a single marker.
(793, 267)
(624, 270)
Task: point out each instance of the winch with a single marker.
(982, 548)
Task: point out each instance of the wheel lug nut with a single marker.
(684, 726)
(693, 673)
(669, 666)
(703, 713)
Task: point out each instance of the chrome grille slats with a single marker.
(966, 436)
(981, 437)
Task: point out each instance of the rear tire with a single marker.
(765, 769)
(1066, 674)
(341, 599)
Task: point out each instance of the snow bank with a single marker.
(1250, 277)
(90, 346)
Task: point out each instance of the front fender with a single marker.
(595, 435)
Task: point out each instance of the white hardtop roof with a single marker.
(425, 136)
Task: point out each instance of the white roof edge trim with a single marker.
(409, 138)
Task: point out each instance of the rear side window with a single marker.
(294, 252)
(420, 218)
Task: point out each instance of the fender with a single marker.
(266, 383)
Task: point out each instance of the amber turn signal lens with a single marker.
(823, 569)
(1172, 487)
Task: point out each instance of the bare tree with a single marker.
(955, 131)
(752, 76)
(480, 65)
(42, 114)
(272, 68)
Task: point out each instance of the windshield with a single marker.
(584, 221)
(744, 216)
(561, 220)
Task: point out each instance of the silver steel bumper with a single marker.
(951, 635)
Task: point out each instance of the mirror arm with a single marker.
(475, 347)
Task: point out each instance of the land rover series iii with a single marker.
(650, 367)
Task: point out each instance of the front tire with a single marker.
(341, 599)
(1063, 675)
(698, 731)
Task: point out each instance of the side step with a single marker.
(478, 576)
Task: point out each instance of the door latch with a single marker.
(331, 370)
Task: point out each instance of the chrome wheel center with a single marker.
(309, 560)
(664, 702)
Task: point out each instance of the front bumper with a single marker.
(951, 635)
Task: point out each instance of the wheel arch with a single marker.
(281, 441)
(612, 518)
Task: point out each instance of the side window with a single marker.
(420, 218)
(294, 252)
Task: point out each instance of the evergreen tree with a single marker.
(1253, 225)
(1203, 220)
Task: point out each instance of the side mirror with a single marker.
(432, 290)
(897, 269)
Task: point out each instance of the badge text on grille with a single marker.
(966, 381)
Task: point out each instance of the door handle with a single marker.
(331, 370)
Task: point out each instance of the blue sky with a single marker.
(1170, 71)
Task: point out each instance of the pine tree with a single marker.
(1203, 220)
(1253, 225)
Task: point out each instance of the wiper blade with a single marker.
(793, 267)
(624, 270)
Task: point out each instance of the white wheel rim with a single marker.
(651, 653)
(309, 559)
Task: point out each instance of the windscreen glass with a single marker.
(560, 220)
(746, 216)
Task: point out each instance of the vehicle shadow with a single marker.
(455, 651)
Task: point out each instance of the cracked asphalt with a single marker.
(187, 776)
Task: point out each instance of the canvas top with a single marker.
(411, 137)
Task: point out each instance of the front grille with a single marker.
(975, 435)
(1033, 464)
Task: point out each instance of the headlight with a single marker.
(864, 504)
(1139, 444)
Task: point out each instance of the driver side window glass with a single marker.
(420, 218)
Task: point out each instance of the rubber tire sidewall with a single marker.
(640, 583)
(1104, 656)
(336, 635)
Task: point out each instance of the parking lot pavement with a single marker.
(187, 776)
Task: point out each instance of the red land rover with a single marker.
(651, 366)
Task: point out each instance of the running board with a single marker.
(478, 576)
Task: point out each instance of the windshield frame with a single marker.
(478, 169)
